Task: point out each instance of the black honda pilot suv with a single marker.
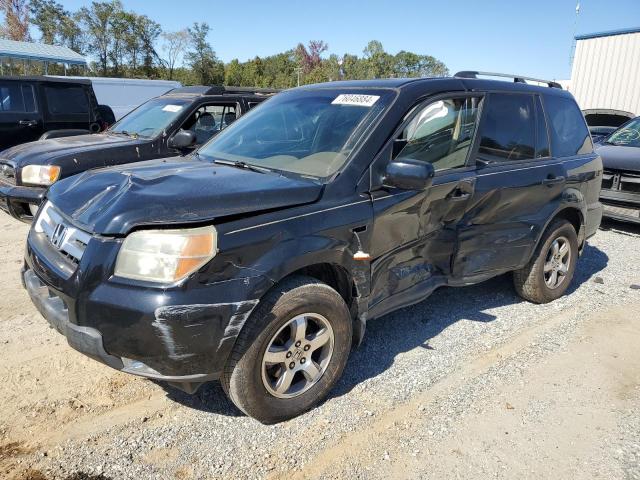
(259, 259)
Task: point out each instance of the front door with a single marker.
(20, 121)
(414, 232)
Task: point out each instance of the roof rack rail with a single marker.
(220, 90)
(516, 78)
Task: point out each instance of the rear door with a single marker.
(518, 187)
(413, 235)
(20, 120)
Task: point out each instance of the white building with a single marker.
(606, 71)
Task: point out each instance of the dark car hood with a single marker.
(43, 152)
(112, 201)
(619, 158)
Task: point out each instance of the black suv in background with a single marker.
(31, 106)
(172, 124)
(260, 260)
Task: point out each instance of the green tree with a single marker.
(202, 58)
(409, 64)
(378, 63)
(148, 31)
(57, 26)
(98, 24)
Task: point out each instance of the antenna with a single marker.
(573, 36)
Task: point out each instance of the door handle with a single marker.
(28, 123)
(553, 180)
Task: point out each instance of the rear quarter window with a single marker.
(66, 100)
(569, 133)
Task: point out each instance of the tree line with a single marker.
(124, 43)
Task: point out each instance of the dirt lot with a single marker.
(472, 382)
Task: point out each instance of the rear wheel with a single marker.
(291, 352)
(549, 272)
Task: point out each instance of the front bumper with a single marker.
(183, 335)
(84, 339)
(622, 206)
(15, 200)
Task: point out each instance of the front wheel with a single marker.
(549, 272)
(291, 352)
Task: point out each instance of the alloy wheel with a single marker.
(558, 260)
(297, 355)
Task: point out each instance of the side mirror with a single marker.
(409, 174)
(182, 139)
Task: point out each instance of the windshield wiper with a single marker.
(243, 165)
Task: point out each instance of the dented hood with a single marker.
(51, 151)
(112, 201)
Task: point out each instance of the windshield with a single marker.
(628, 135)
(308, 132)
(151, 118)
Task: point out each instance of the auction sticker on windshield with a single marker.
(172, 108)
(355, 99)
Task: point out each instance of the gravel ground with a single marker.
(428, 394)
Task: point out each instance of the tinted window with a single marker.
(66, 100)
(508, 129)
(17, 98)
(208, 120)
(569, 134)
(441, 133)
(542, 136)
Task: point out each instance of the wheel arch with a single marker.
(574, 215)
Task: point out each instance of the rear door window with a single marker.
(63, 100)
(18, 98)
(569, 133)
(508, 128)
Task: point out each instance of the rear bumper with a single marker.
(15, 200)
(621, 206)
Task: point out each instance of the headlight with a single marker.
(40, 174)
(165, 256)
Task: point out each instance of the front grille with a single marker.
(630, 182)
(607, 179)
(68, 240)
(621, 181)
(7, 174)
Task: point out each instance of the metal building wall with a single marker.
(606, 72)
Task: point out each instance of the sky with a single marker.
(532, 38)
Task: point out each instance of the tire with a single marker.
(253, 385)
(532, 282)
